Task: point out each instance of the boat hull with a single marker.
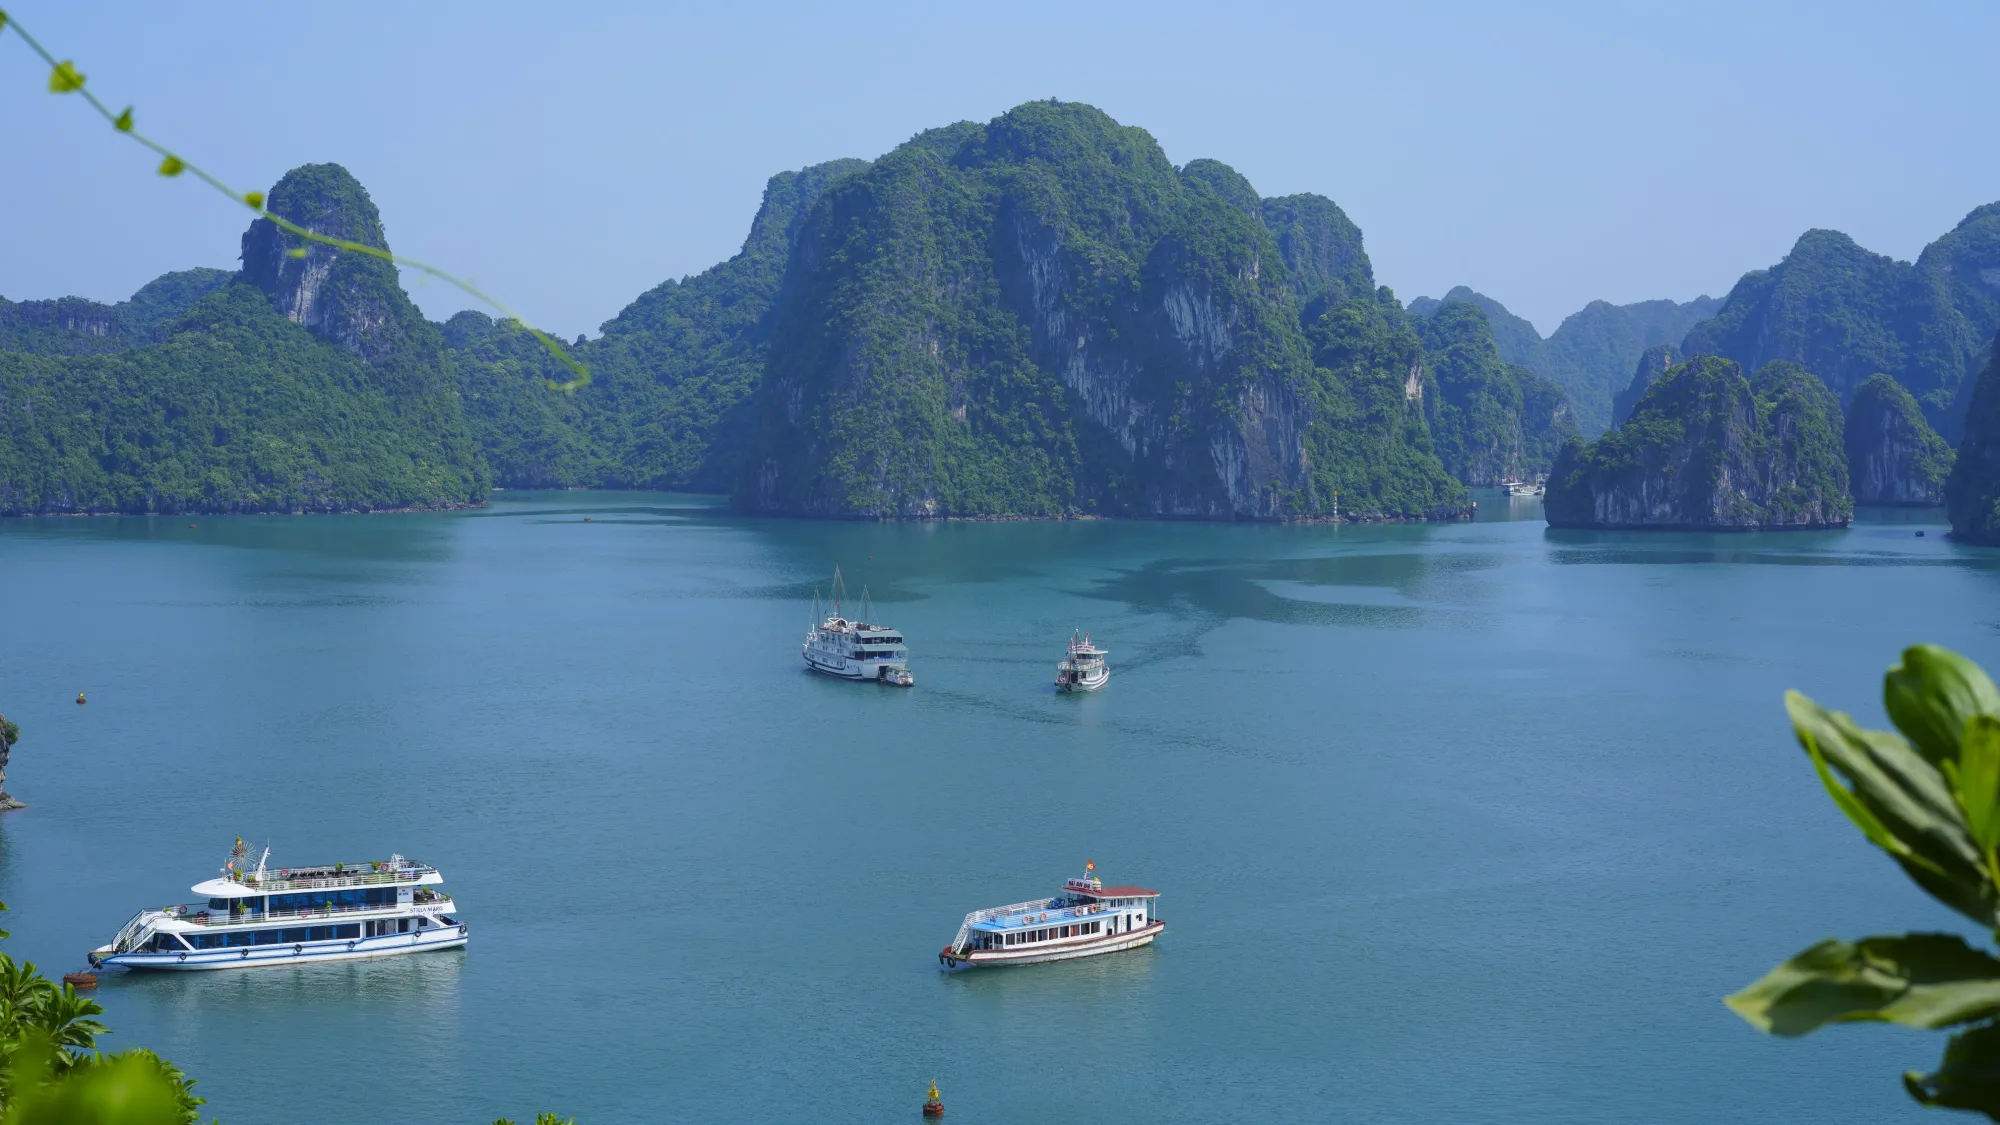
(1061, 951)
(266, 956)
(851, 669)
(1083, 683)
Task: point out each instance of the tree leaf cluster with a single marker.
(1928, 794)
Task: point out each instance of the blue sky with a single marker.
(569, 157)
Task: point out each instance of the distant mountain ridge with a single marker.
(1846, 313)
(1039, 315)
(1592, 353)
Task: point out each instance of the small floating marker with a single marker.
(933, 1105)
(1920, 535)
(80, 980)
(190, 527)
(79, 699)
(586, 519)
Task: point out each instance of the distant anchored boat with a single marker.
(855, 649)
(1083, 669)
(1085, 919)
(253, 918)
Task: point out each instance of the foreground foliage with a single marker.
(1930, 797)
(51, 1074)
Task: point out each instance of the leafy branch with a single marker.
(64, 78)
(1930, 798)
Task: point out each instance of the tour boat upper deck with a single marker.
(257, 916)
(1086, 918)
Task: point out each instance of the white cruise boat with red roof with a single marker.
(1085, 919)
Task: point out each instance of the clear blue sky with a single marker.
(569, 157)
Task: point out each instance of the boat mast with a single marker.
(867, 607)
(839, 590)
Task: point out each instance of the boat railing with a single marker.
(992, 912)
(408, 873)
(201, 914)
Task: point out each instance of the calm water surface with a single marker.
(1469, 823)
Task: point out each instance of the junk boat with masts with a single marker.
(1085, 919)
(256, 917)
(1084, 668)
(855, 650)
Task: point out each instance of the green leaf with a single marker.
(1902, 803)
(124, 122)
(1931, 694)
(1919, 980)
(64, 79)
(172, 166)
(1969, 1077)
(1975, 780)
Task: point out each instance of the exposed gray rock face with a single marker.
(1653, 363)
(352, 299)
(1893, 455)
(1972, 494)
(1706, 449)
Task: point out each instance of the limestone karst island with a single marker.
(1021, 563)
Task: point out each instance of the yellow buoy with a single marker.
(79, 697)
(933, 1106)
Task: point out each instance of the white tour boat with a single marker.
(253, 918)
(1087, 918)
(1084, 668)
(855, 650)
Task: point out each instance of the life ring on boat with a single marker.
(461, 929)
(245, 953)
(350, 947)
(298, 948)
(184, 956)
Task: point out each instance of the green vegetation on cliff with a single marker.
(74, 326)
(1592, 353)
(1893, 455)
(1972, 493)
(1490, 420)
(671, 374)
(1706, 448)
(1042, 314)
(1846, 314)
(307, 384)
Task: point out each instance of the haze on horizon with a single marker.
(569, 160)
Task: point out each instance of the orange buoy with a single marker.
(933, 1106)
(80, 980)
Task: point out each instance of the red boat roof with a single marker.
(1113, 892)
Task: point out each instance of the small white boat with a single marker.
(1515, 488)
(855, 650)
(1085, 919)
(1084, 668)
(254, 918)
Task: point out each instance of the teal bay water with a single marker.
(1466, 823)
